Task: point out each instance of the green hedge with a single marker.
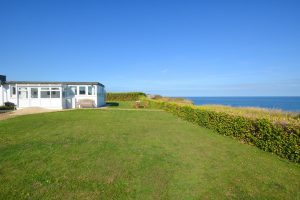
(281, 139)
(124, 96)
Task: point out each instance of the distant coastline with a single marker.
(283, 103)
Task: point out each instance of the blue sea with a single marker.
(283, 103)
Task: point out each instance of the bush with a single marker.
(282, 139)
(124, 96)
(112, 104)
(8, 106)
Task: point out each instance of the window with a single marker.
(73, 90)
(90, 90)
(50, 93)
(34, 93)
(82, 90)
(23, 93)
(45, 92)
(13, 91)
(55, 93)
(64, 91)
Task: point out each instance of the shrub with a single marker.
(8, 106)
(124, 96)
(112, 103)
(269, 135)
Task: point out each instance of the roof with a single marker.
(54, 82)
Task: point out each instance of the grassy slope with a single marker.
(87, 154)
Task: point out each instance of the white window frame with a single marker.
(23, 89)
(55, 89)
(70, 88)
(45, 89)
(85, 90)
(38, 93)
(12, 88)
(92, 90)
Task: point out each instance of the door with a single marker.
(23, 97)
(68, 103)
(34, 97)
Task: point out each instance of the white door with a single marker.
(34, 97)
(23, 97)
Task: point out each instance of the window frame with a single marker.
(13, 91)
(75, 90)
(80, 91)
(37, 95)
(23, 89)
(92, 90)
(54, 89)
(48, 92)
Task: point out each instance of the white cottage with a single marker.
(52, 95)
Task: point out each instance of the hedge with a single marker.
(124, 96)
(278, 138)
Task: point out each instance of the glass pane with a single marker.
(73, 90)
(22, 89)
(82, 90)
(90, 90)
(23, 94)
(45, 94)
(54, 88)
(13, 91)
(55, 94)
(34, 93)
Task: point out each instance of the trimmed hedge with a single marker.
(124, 96)
(278, 138)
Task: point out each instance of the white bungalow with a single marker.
(52, 95)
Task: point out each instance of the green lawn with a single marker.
(121, 154)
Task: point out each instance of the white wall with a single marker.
(1, 96)
(77, 97)
(98, 97)
(7, 95)
(51, 103)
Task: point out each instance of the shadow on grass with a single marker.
(112, 104)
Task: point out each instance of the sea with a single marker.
(282, 103)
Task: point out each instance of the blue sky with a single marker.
(168, 47)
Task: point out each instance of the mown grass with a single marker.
(118, 154)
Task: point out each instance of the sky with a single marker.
(166, 47)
